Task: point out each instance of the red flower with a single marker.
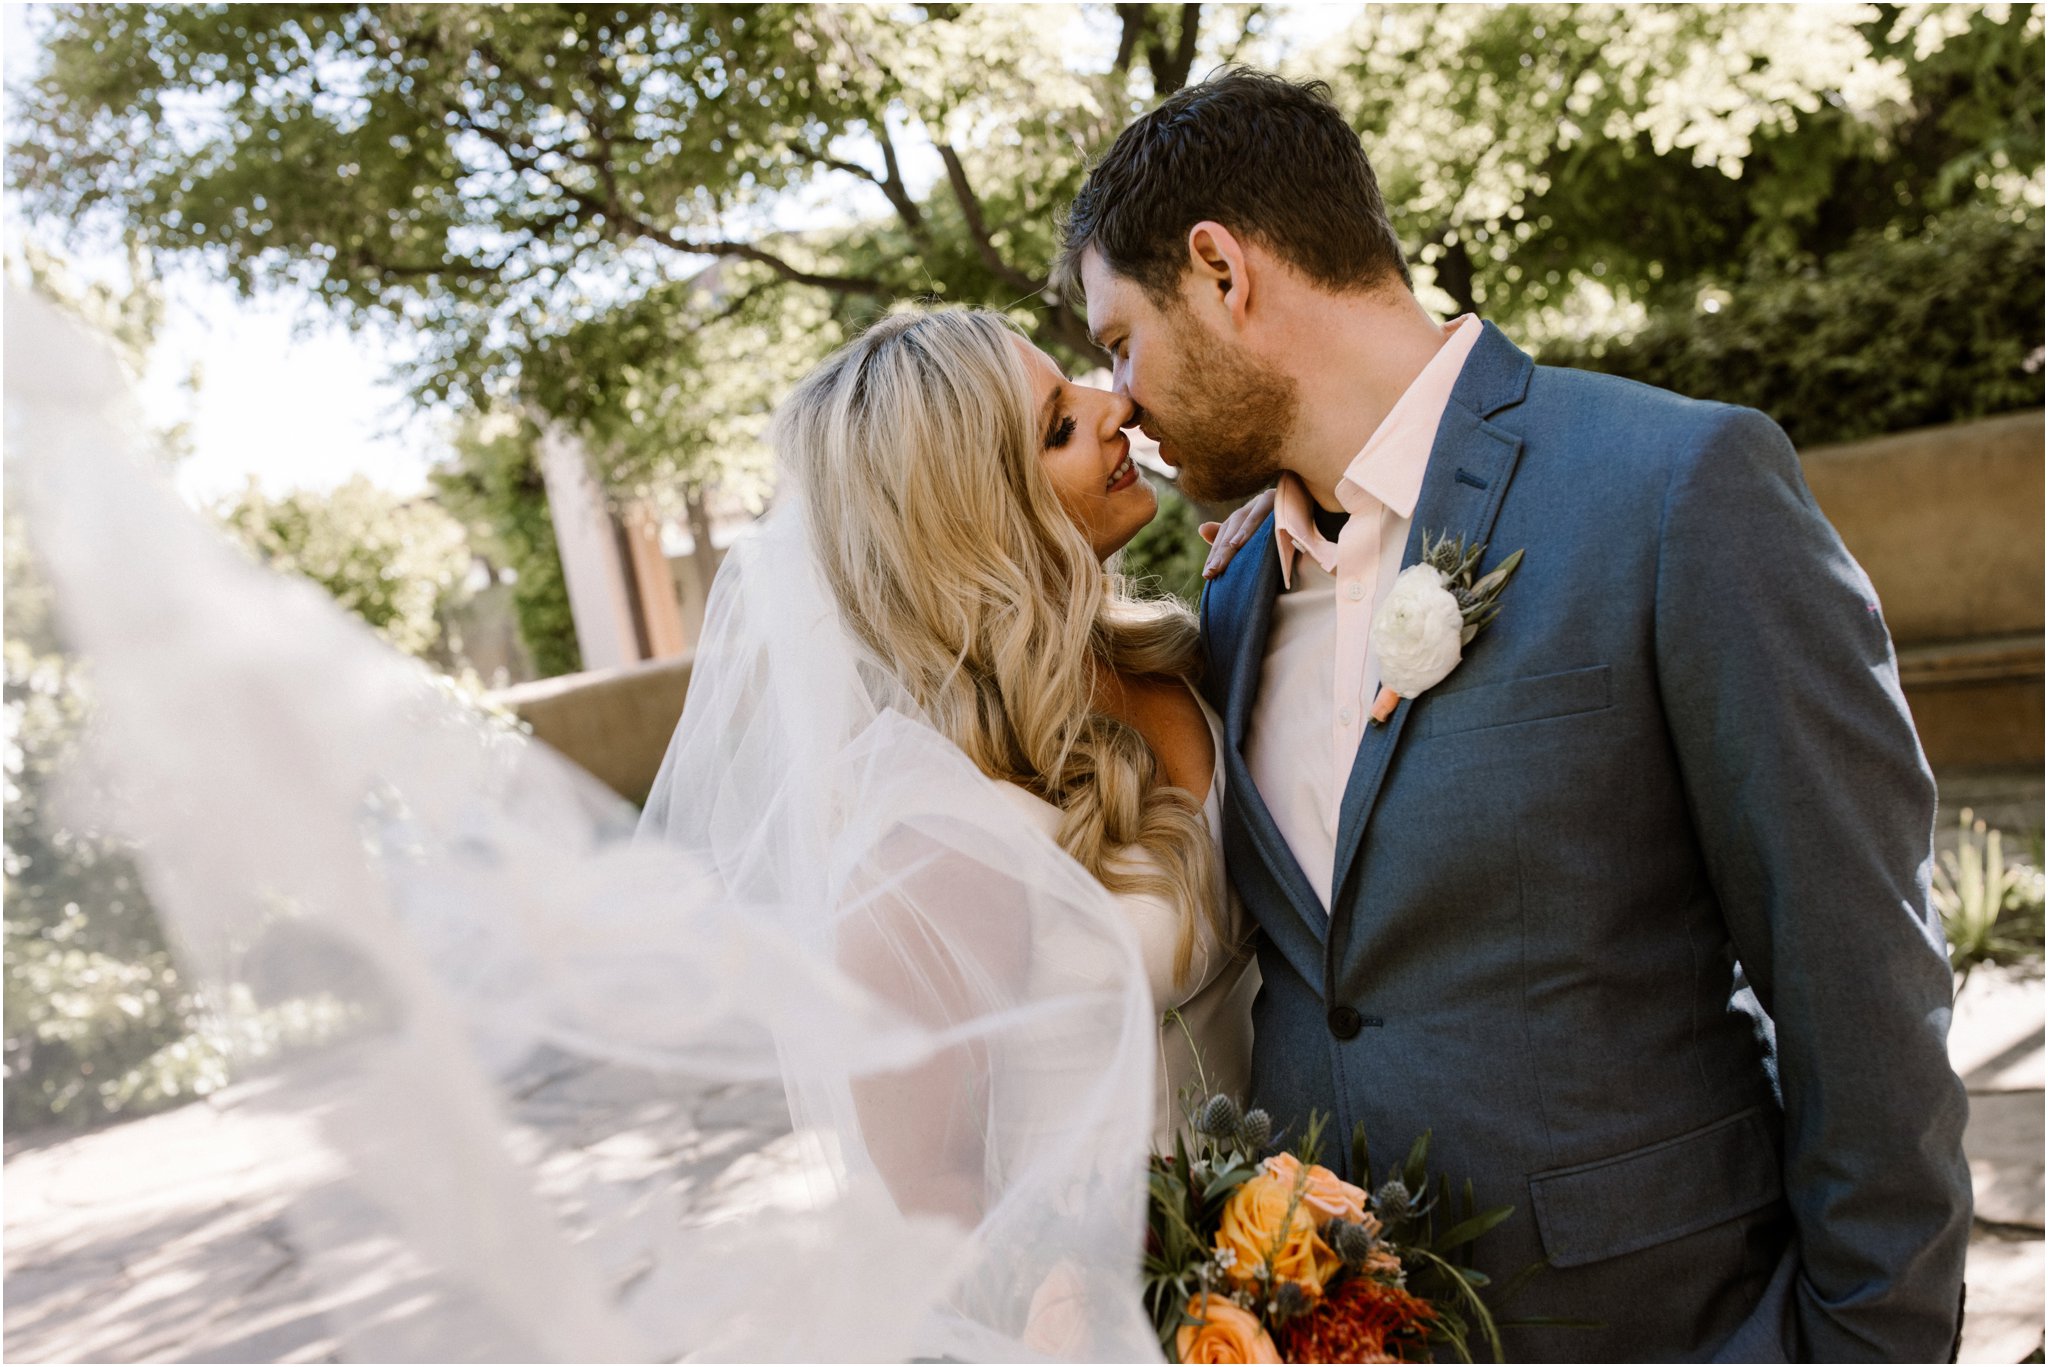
(1361, 1320)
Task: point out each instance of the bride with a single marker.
(933, 846)
(960, 498)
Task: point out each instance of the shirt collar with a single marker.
(1388, 470)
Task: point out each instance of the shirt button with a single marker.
(1344, 1022)
(1343, 716)
(1354, 590)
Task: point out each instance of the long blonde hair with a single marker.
(916, 448)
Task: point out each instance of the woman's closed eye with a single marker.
(1062, 432)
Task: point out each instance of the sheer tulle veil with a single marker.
(821, 890)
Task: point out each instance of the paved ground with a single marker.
(165, 1240)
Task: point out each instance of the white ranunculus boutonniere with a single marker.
(1434, 611)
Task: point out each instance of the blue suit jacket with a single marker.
(1631, 910)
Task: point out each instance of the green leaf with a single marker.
(1494, 582)
(1469, 1230)
(1414, 1173)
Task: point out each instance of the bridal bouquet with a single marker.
(1258, 1256)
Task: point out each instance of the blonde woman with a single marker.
(966, 503)
(933, 734)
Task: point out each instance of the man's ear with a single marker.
(1216, 265)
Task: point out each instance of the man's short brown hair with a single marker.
(1270, 159)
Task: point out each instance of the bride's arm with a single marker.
(942, 938)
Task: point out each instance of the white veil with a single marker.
(822, 890)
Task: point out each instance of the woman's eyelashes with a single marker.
(1063, 429)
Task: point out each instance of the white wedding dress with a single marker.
(1205, 1027)
(397, 905)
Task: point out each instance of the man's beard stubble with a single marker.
(1227, 417)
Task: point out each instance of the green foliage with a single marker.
(493, 486)
(1436, 1259)
(1560, 165)
(1167, 554)
(98, 1019)
(672, 391)
(496, 180)
(1991, 910)
(1889, 333)
(389, 560)
(531, 194)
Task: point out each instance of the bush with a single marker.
(1887, 334)
(391, 561)
(98, 1020)
(1166, 555)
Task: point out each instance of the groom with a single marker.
(1631, 908)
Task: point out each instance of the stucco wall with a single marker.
(1947, 523)
(614, 722)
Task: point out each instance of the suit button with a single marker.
(1344, 1023)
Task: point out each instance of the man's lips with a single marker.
(1156, 441)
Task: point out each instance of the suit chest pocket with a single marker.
(1537, 697)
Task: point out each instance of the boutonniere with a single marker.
(1434, 611)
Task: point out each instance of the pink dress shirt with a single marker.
(1320, 672)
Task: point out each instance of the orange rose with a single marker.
(1324, 1192)
(1267, 1221)
(1226, 1334)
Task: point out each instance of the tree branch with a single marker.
(611, 206)
(977, 226)
(1244, 33)
(1136, 20)
(890, 183)
(1170, 66)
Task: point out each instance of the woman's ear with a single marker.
(1216, 270)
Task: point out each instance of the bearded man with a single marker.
(1623, 895)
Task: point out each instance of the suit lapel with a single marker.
(1470, 465)
(1246, 602)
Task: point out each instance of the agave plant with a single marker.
(1990, 910)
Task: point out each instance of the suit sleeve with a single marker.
(1814, 808)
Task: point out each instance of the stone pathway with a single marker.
(166, 1239)
(1996, 1045)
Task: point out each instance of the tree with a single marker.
(534, 194)
(389, 560)
(1545, 161)
(479, 170)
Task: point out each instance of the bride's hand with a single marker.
(1226, 536)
